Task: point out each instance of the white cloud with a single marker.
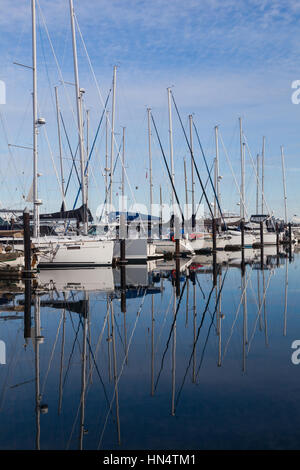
(224, 58)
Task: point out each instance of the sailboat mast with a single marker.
(263, 174)
(60, 147)
(186, 189)
(36, 222)
(257, 182)
(79, 120)
(216, 182)
(87, 154)
(242, 150)
(106, 157)
(150, 159)
(123, 168)
(192, 171)
(160, 211)
(284, 184)
(171, 144)
(112, 135)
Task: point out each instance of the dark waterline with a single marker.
(205, 367)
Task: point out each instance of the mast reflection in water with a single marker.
(187, 354)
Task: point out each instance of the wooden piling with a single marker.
(242, 227)
(277, 238)
(214, 251)
(27, 309)
(149, 227)
(215, 269)
(214, 234)
(27, 244)
(193, 222)
(290, 234)
(290, 241)
(178, 276)
(177, 248)
(261, 245)
(242, 234)
(122, 251)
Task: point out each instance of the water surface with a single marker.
(164, 365)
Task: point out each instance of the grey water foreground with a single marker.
(186, 358)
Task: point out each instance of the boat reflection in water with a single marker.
(112, 356)
(82, 279)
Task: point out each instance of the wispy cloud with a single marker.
(224, 57)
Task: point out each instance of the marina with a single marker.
(149, 235)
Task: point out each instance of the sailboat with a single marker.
(164, 243)
(12, 260)
(231, 238)
(65, 251)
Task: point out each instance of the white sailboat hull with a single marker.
(269, 238)
(168, 246)
(197, 241)
(236, 239)
(230, 239)
(76, 252)
(16, 263)
(136, 250)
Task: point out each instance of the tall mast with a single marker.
(36, 222)
(112, 135)
(87, 132)
(79, 121)
(243, 178)
(160, 209)
(60, 148)
(186, 189)
(263, 174)
(123, 168)
(87, 154)
(192, 170)
(106, 157)
(257, 182)
(150, 160)
(216, 210)
(242, 150)
(171, 144)
(284, 184)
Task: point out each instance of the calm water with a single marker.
(206, 367)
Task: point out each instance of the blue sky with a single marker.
(224, 59)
